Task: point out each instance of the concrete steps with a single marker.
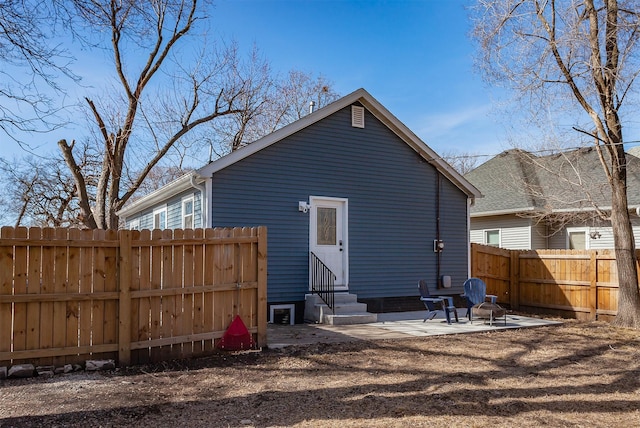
(346, 310)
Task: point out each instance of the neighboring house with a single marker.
(535, 202)
(348, 182)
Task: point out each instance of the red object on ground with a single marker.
(237, 337)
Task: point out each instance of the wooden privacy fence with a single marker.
(69, 295)
(575, 283)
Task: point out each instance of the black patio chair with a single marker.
(436, 304)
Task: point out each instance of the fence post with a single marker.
(262, 286)
(124, 280)
(593, 285)
(514, 279)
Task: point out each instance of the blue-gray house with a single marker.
(349, 183)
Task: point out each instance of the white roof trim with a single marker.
(503, 212)
(377, 109)
(160, 195)
(533, 209)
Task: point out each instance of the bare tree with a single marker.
(276, 103)
(461, 161)
(580, 56)
(158, 177)
(38, 192)
(125, 121)
(171, 92)
(31, 66)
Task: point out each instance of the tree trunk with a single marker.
(629, 296)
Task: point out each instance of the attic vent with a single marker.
(357, 117)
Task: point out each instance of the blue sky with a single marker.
(414, 57)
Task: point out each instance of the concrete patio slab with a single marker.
(396, 325)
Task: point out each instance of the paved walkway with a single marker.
(396, 325)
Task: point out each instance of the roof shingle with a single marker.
(518, 181)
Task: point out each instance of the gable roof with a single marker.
(361, 96)
(517, 181)
(378, 110)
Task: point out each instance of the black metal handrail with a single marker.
(322, 280)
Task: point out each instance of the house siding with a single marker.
(174, 212)
(515, 232)
(539, 236)
(391, 204)
(603, 242)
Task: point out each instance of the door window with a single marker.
(326, 226)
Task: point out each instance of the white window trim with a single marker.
(587, 238)
(134, 224)
(484, 236)
(158, 211)
(186, 200)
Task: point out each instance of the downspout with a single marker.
(203, 200)
(439, 252)
(470, 202)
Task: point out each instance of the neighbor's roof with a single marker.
(517, 181)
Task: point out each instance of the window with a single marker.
(577, 239)
(160, 218)
(326, 226)
(492, 237)
(134, 224)
(187, 213)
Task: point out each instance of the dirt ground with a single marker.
(572, 375)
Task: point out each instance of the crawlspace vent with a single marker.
(357, 117)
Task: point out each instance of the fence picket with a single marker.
(210, 267)
(166, 302)
(200, 278)
(134, 285)
(73, 286)
(111, 317)
(58, 333)
(85, 286)
(6, 289)
(177, 273)
(97, 306)
(187, 320)
(28, 327)
(39, 328)
(143, 332)
(156, 284)
(125, 309)
(261, 293)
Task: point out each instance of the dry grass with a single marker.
(574, 375)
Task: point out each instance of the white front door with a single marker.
(328, 236)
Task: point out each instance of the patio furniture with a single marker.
(436, 304)
(488, 310)
(475, 291)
